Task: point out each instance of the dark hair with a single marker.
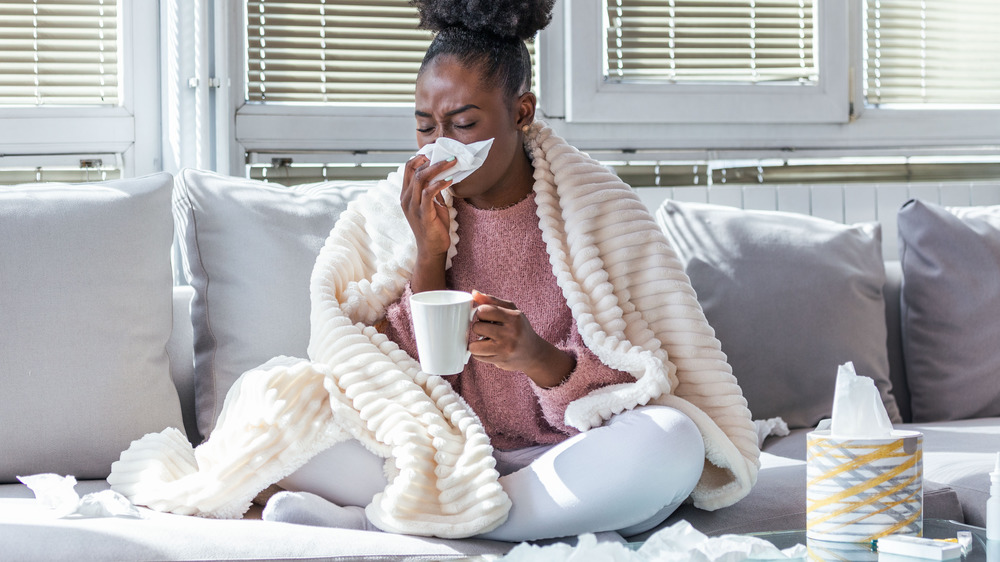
(489, 34)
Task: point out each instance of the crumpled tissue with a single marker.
(676, 543)
(469, 156)
(858, 411)
(57, 493)
(771, 426)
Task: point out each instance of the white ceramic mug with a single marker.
(441, 322)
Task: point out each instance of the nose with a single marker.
(438, 133)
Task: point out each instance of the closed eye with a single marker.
(469, 126)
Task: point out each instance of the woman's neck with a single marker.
(510, 189)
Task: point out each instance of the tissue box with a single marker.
(858, 490)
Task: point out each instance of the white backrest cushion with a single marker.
(248, 250)
(85, 315)
(791, 297)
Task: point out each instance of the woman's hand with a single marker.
(509, 342)
(428, 218)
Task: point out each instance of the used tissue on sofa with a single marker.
(864, 479)
(469, 156)
(58, 494)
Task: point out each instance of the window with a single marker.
(691, 80)
(78, 94)
(710, 42)
(328, 87)
(932, 53)
(703, 61)
(59, 53)
(323, 52)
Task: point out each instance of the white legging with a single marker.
(627, 475)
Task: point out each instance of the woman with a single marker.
(628, 475)
(585, 321)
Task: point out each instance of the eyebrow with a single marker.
(466, 107)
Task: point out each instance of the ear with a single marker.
(525, 108)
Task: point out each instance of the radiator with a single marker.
(843, 203)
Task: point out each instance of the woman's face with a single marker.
(451, 101)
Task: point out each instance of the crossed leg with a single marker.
(627, 475)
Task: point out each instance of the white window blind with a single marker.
(58, 52)
(932, 52)
(331, 51)
(742, 41)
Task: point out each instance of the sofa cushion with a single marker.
(248, 249)
(85, 315)
(961, 454)
(790, 297)
(950, 306)
(28, 531)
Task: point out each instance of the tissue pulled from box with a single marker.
(858, 411)
(58, 494)
(469, 157)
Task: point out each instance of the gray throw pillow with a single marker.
(790, 297)
(248, 249)
(85, 315)
(951, 309)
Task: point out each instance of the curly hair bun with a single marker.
(504, 18)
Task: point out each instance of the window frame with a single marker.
(864, 130)
(595, 100)
(870, 130)
(62, 135)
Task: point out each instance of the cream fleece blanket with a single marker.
(628, 293)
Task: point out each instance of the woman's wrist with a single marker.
(428, 273)
(551, 367)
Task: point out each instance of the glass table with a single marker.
(933, 528)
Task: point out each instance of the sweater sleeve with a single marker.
(587, 375)
(398, 323)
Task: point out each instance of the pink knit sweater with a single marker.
(501, 253)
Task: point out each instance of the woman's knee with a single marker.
(672, 443)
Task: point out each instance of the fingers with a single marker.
(483, 350)
(483, 298)
(489, 330)
(429, 196)
(418, 190)
(417, 162)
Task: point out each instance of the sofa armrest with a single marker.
(180, 350)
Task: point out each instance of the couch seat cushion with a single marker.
(29, 532)
(961, 454)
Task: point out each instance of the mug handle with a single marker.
(472, 320)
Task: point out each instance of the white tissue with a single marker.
(56, 492)
(587, 548)
(858, 411)
(469, 157)
(771, 426)
(678, 543)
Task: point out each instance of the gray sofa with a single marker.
(788, 308)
